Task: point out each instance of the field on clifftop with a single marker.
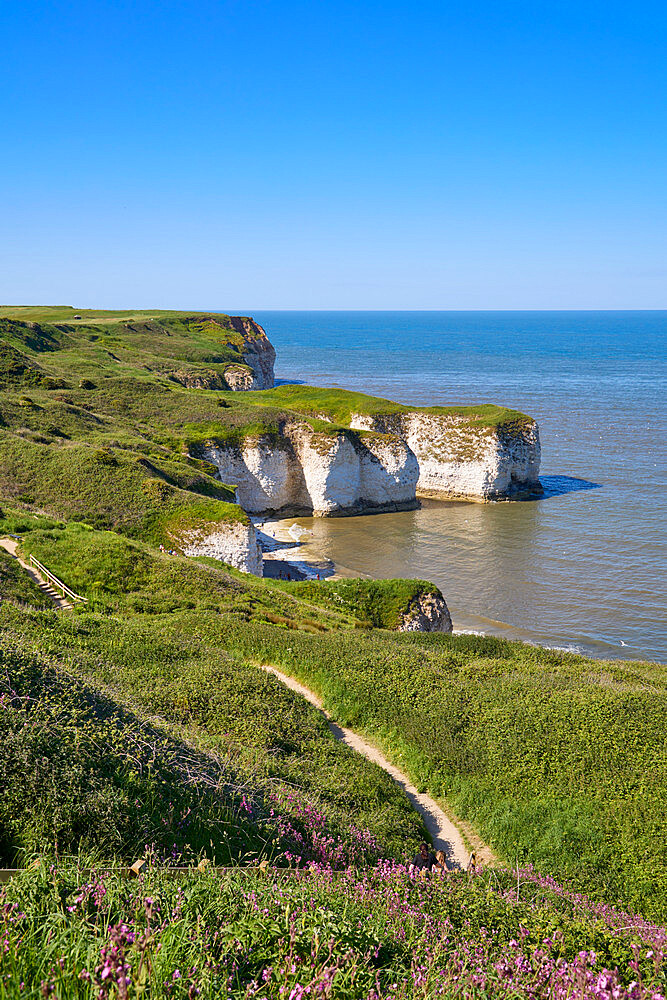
(142, 723)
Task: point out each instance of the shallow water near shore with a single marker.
(581, 568)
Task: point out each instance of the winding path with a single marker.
(445, 834)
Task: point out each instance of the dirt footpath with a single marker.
(444, 833)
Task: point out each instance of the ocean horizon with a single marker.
(580, 569)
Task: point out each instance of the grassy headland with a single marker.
(557, 760)
(374, 603)
(98, 422)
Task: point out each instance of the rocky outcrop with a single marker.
(456, 458)
(233, 543)
(254, 369)
(427, 612)
(198, 379)
(257, 350)
(240, 378)
(322, 472)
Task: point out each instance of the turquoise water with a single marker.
(582, 568)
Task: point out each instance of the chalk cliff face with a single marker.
(407, 455)
(323, 472)
(427, 613)
(257, 351)
(459, 460)
(235, 544)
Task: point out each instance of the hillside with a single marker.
(558, 760)
(141, 722)
(156, 394)
(144, 720)
(384, 934)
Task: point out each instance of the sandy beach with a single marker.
(288, 551)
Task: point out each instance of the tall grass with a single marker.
(556, 759)
(117, 734)
(378, 934)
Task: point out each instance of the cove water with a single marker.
(583, 567)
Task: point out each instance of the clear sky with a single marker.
(268, 154)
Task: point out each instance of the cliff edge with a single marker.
(123, 405)
(341, 452)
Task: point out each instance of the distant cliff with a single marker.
(250, 366)
(106, 414)
(257, 350)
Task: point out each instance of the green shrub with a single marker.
(376, 603)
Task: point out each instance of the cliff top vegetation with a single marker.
(556, 760)
(143, 718)
(96, 424)
(87, 342)
(342, 404)
(380, 934)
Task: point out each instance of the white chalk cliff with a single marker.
(233, 543)
(405, 456)
(459, 460)
(380, 460)
(323, 472)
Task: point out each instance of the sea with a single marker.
(581, 569)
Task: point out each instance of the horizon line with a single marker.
(323, 309)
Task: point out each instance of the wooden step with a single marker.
(60, 601)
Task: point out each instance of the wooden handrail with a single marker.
(55, 582)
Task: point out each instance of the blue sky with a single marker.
(254, 154)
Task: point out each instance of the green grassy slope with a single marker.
(17, 586)
(557, 760)
(375, 603)
(117, 733)
(92, 427)
(81, 772)
(47, 348)
(115, 488)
